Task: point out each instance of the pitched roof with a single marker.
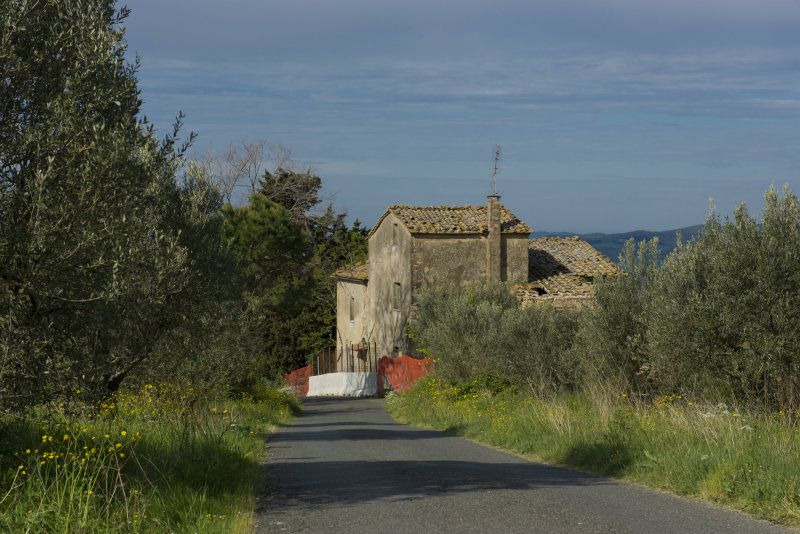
(452, 219)
(355, 271)
(549, 256)
(561, 269)
(562, 290)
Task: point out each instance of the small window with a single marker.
(394, 234)
(352, 309)
(397, 296)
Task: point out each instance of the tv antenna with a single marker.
(495, 170)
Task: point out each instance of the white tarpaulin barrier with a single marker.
(343, 385)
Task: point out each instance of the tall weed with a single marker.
(748, 461)
(162, 458)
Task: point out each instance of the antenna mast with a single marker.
(495, 170)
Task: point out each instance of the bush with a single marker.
(480, 331)
(611, 343)
(718, 320)
(725, 309)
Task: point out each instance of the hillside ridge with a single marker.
(612, 244)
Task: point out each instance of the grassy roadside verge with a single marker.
(161, 459)
(746, 462)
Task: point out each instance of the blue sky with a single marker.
(613, 115)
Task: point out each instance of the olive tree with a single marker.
(96, 248)
(725, 309)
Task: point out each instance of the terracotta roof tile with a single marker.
(550, 256)
(561, 270)
(558, 287)
(452, 219)
(355, 271)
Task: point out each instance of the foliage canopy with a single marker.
(718, 319)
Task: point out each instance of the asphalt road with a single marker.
(346, 466)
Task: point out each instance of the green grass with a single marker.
(162, 459)
(748, 462)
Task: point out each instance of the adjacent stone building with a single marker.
(411, 246)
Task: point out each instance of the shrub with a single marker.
(718, 320)
(480, 331)
(611, 343)
(534, 348)
(459, 327)
(725, 309)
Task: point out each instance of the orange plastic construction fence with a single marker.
(298, 380)
(399, 373)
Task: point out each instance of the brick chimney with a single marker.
(493, 243)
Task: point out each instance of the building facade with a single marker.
(410, 247)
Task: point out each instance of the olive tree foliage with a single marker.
(725, 309)
(102, 251)
(611, 346)
(480, 331)
(718, 319)
(210, 345)
(457, 326)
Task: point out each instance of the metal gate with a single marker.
(360, 357)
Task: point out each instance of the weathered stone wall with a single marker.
(350, 332)
(400, 264)
(464, 258)
(389, 289)
(514, 266)
(458, 258)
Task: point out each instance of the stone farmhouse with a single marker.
(412, 246)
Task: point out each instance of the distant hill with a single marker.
(612, 244)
